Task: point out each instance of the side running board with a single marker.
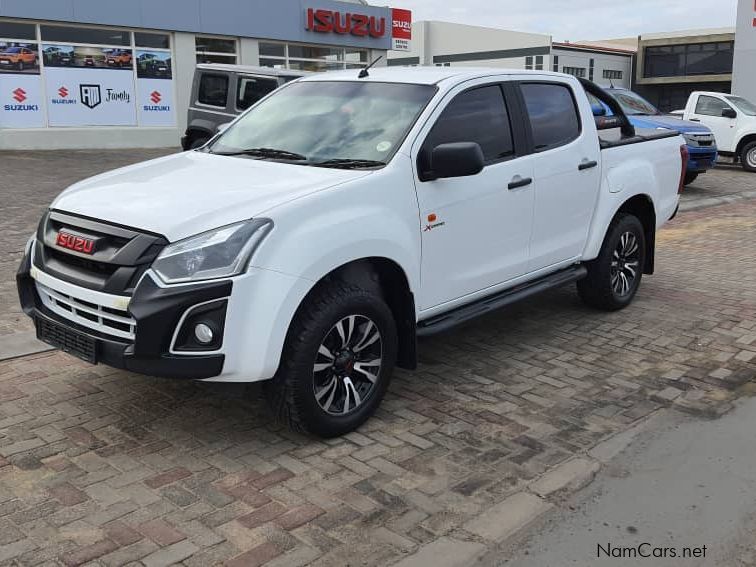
(446, 321)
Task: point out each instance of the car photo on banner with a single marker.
(153, 64)
(86, 57)
(19, 58)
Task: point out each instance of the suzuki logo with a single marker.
(155, 97)
(90, 95)
(63, 92)
(19, 94)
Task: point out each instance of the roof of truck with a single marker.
(270, 71)
(423, 75)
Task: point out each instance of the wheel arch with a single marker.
(642, 207)
(747, 139)
(387, 278)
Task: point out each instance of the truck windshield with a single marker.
(743, 105)
(328, 123)
(633, 104)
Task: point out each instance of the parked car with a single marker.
(119, 58)
(18, 57)
(221, 92)
(150, 64)
(733, 121)
(313, 240)
(702, 146)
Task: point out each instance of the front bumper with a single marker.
(157, 311)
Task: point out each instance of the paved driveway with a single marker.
(104, 466)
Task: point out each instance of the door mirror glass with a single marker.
(457, 159)
(729, 113)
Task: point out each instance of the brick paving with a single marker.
(102, 467)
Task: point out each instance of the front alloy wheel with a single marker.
(347, 365)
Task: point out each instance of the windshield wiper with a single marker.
(271, 153)
(349, 163)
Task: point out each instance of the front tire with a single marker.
(614, 276)
(337, 362)
(748, 156)
(690, 177)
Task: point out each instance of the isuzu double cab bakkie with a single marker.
(310, 243)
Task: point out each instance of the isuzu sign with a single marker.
(344, 23)
(401, 29)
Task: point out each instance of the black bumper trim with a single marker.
(157, 310)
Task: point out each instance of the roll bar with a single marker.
(619, 120)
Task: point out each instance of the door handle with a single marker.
(585, 164)
(518, 182)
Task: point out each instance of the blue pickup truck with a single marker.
(642, 114)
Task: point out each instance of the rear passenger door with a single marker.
(567, 173)
(475, 229)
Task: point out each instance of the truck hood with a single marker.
(662, 121)
(188, 193)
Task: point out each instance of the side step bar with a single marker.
(446, 321)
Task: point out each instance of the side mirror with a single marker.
(598, 110)
(729, 113)
(222, 127)
(459, 159)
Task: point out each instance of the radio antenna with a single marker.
(364, 71)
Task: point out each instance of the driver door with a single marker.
(708, 110)
(476, 229)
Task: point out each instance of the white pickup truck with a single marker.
(342, 216)
(733, 121)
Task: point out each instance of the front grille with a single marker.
(102, 319)
(119, 257)
(67, 340)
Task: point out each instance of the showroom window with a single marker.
(153, 40)
(311, 57)
(215, 50)
(91, 36)
(12, 30)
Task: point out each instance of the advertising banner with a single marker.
(90, 97)
(401, 29)
(155, 87)
(21, 101)
(19, 58)
(86, 57)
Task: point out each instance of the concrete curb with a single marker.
(21, 344)
(508, 518)
(715, 201)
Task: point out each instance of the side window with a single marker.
(710, 106)
(213, 90)
(553, 115)
(478, 115)
(251, 89)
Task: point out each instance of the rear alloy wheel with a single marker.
(748, 156)
(614, 276)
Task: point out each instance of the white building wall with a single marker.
(602, 61)
(743, 75)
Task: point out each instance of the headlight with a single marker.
(218, 253)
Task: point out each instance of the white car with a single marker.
(733, 121)
(311, 242)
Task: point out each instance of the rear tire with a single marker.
(198, 143)
(690, 178)
(748, 156)
(337, 362)
(614, 276)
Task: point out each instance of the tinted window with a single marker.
(155, 40)
(85, 35)
(11, 30)
(690, 59)
(251, 89)
(478, 115)
(553, 116)
(710, 106)
(215, 45)
(213, 90)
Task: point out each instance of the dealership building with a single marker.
(83, 74)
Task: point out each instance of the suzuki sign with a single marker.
(401, 29)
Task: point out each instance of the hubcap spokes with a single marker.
(625, 264)
(347, 365)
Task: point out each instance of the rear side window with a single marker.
(710, 106)
(213, 90)
(251, 89)
(553, 115)
(479, 115)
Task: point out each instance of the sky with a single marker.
(573, 20)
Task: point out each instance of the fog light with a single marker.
(203, 333)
